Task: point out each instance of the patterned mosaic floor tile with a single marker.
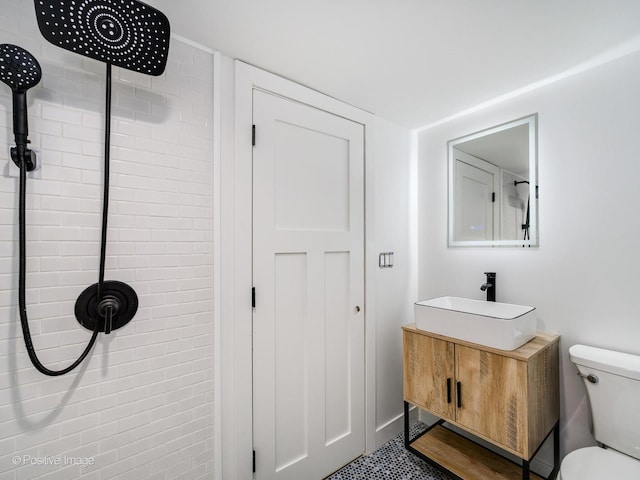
(390, 462)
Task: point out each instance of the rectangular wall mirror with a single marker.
(493, 186)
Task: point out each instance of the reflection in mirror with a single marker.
(491, 198)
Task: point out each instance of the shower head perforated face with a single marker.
(125, 33)
(18, 68)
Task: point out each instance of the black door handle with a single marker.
(459, 394)
(448, 390)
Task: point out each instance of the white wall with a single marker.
(142, 405)
(583, 278)
(395, 287)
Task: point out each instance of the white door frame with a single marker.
(236, 266)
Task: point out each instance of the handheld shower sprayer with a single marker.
(20, 71)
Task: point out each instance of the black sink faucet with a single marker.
(490, 286)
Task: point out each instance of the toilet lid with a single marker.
(595, 463)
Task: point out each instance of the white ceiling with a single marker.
(409, 61)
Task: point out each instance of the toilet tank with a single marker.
(614, 395)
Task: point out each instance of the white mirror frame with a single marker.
(532, 122)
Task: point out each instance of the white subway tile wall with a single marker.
(142, 406)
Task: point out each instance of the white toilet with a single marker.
(613, 387)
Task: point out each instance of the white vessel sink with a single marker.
(499, 325)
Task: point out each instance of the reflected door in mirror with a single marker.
(476, 208)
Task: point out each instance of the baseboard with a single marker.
(393, 427)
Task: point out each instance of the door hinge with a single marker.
(254, 461)
(253, 297)
(493, 197)
(253, 135)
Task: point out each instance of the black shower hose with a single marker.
(22, 303)
(26, 333)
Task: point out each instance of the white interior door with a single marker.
(476, 209)
(308, 274)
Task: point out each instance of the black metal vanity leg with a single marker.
(556, 451)
(525, 470)
(406, 425)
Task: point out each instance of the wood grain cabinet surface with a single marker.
(509, 398)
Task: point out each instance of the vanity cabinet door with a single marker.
(428, 374)
(492, 398)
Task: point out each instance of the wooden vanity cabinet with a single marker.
(509, 398)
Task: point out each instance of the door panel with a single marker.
(291, 414)
(308, 272)
(308, 165)
(337, 309)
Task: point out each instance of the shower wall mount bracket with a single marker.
(29, 157)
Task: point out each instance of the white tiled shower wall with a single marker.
(142, 405)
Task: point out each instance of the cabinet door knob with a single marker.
(459, 394)
(448, 390)
(357, 309)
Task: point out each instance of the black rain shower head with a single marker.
(21, 71)
(125, 33)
